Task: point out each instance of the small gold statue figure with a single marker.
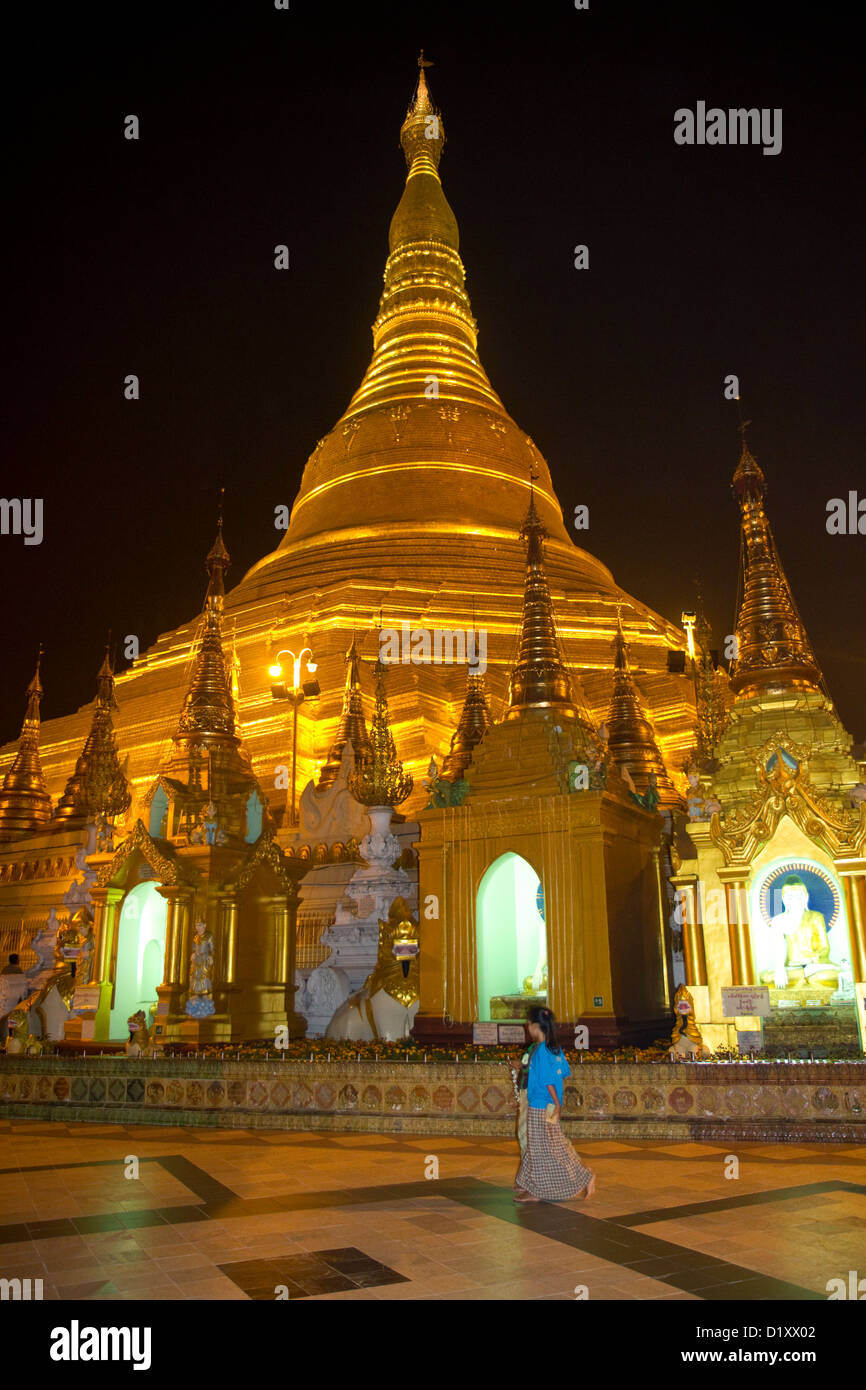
(138, 1035)
(16, 1041)
(686, 1038)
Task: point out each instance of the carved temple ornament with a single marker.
(267, 854)
(784, 788)
(166, 867)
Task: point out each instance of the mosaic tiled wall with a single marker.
(817, 1100)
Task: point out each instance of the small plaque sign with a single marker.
(750, 1040)
(86, 997)
(745, 1001)
(485, 1032)
(512, 1033)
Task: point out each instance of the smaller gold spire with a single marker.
(208, 715)
(473, 724)
(540, 676)
(352, 727)
(217, 562)
(378, 778)
(711, 711)
(772, 646)
(98, 786)
(25, 805)
(631, 740)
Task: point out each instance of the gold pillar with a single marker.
(106, 902)
(228, 920)
(693, 929)
(739, 936)
(274, 914)
(854, 887)
(661, 899)
(179, 901)
(281, 934)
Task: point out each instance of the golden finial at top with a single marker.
(422, 134)
(218, 560)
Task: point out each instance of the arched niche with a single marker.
(511, 938)
(140, 963)
(158, 820)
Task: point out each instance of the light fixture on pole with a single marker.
(295, 692)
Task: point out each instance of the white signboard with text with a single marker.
(745, 1001)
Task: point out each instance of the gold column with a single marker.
(273, 912)
(661, 900)
(179, 901)
(854, 887)
(228, 939)
(739, 936)
(106, 902)
(858, 928)
(281, 924)
(693, 929)
(297, 1023)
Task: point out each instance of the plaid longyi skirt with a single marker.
(550, 1168)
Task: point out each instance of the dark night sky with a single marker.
(261, 127)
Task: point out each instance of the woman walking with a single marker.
(550, 1170)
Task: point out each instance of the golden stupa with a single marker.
(409, 511)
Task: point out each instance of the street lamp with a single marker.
(689, 622)
(296, 693)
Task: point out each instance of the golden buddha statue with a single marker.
(801, 944)
(536, 984)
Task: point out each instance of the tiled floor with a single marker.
(110, 1212)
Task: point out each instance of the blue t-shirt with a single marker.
(546, 1068)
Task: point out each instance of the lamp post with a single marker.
(295, 693)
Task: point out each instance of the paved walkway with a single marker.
(238, 1214)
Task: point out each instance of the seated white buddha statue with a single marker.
(801, 945)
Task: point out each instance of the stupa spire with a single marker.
(631, 740)
(425, 440)
(473, 724)
(98, 786)
(540, 676)
(772, 646)
(352, 727)
(425, 326)
(25, 805)
(208, 715)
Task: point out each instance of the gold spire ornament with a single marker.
(712, 717)
(352, 727)
(207, 775)
(540, 676)
(631, 739)
(208, 715)
(378, 778)
(473, 724)
(25, 805)
(773, 649)
(98, 786)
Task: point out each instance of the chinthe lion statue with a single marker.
(384, 1008)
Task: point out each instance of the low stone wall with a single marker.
(715, 1101)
